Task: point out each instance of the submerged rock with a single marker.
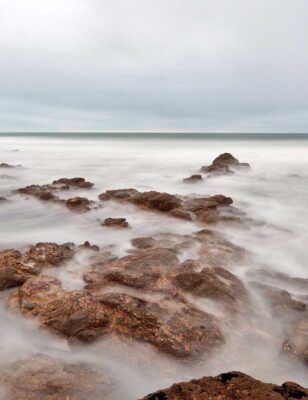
(115, 222)
(41, 377)
(5, 165)
(224, 164)
(193, 178)
(230, 386)
(296, 343)
(74, 182)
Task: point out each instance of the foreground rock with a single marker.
(204, 209)
(17, 267)
(230, 386)
(43, 377)
(115, 223)
(178, 329)
(224, 165)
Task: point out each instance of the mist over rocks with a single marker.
(40, 376)
(230, 386)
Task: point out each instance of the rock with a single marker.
(87, 245)
(74, 182)
(204, 209)
(41, 192)
(13, 271)
(193, 178)
(280, 300)
(214, 283)
(115, 222)
(180, 330)
(224, 164)
(297, 339)
(80, 204)
(16, 268)
(230, 386)
(2, 199)
(49, 254)
(41, 377)
(5, 165)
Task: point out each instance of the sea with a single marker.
(274, 193)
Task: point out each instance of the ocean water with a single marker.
(274, 193)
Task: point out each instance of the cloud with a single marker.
(202, 65)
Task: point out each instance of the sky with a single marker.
(154, 65)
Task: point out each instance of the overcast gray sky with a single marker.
(154, 65)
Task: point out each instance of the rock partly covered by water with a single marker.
(6, 165)
(47, 192)
(208, 210)
(230, 386)
(41, 377)
(115, 223)
(17, 267)
(224, 164)
(173, 327)
(296, 343)
(193, 178)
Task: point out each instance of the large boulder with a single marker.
(174, 328)
(230, 386)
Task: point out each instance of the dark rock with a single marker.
(77, 203)
(193, 178)
(230, 386)
(224, 164)
(115, 222)
(74, 182)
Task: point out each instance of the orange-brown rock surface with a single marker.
(230, 386)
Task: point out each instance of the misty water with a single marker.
(274, 193)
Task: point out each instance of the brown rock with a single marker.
(224, 165)
(80, 204)
(230, 386)
(115, 222)
(13, 271)
(206, 209)
(180, 330)
(16, 268)
(74, 182)
(41, 377)
(2, 199)
(193, 178)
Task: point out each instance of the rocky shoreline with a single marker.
(149, 295)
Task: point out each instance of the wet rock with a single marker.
(230, 386)
(80, 204)
(74, 182)
(143, 242)
(182, 331)
(13, 271)
(214, 283)
(193, 178)
(87, 245)
(41, 192)
(49, 254)
(115, 222)
(17, 267)
(205, 209)
(280, 300)
(224, 164)
(296, 343)
(41, 377)
(2, 199)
